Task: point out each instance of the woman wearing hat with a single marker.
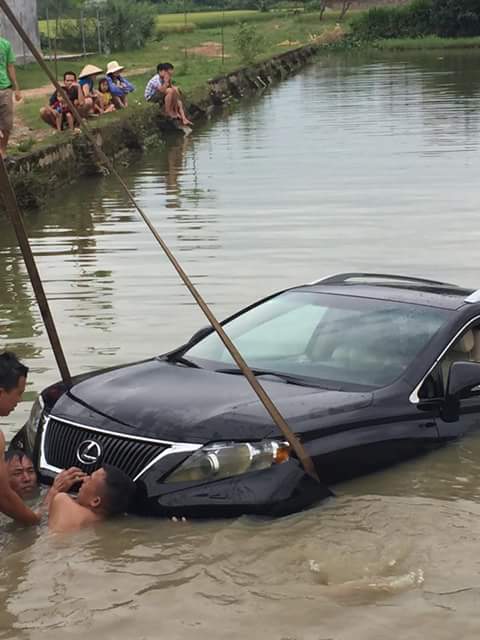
(86, 79)
(119, 86)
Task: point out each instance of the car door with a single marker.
(466, 417)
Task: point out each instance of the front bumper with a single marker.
(277, 491)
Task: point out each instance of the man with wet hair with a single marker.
(105, 493)
(21, 473)
(13, 378)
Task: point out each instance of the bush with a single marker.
(248, 42)
(128, 25)
(445, 18)
(409, 21)
(70, 35)
(452, 18)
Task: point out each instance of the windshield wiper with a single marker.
(289, 379)
(182, 360)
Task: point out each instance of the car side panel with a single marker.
(369, 447)
(468, 419)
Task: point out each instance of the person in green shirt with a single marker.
(8, 85)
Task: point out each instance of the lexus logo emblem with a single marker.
(89, 452)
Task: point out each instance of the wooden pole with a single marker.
(11, 205)
(305, 460)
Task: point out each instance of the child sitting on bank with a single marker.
(105, 96)
(63, 117)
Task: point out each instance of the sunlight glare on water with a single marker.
(359, 163)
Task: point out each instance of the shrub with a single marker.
(70, 34)
(408, 21)
(248, 42)
(128, 25)
(451, 18)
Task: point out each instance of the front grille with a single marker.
(62, 441)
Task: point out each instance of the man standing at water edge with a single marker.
(8, 83)
(13, 377)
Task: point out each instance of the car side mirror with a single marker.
(462, 380)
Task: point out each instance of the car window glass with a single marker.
(343, 339)
(466, 348)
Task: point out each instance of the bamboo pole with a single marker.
(262, 395)
(11, 206)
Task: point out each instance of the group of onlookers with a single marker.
(91, 96)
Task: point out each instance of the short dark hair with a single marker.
(69, 73)
(13, 453)
(119, 490)
(164, 66)
(11, 370)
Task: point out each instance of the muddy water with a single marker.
(357, 164)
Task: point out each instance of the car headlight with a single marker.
(31, 425)
(225, 459)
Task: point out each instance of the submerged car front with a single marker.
(188, 428)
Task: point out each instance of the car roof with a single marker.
(397, 288)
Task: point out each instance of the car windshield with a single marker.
(347, 342)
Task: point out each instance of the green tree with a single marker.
(248, 42)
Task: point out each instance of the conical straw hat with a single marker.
(89, 70)
(113, 66)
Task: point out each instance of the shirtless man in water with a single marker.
(105, 493)
(13, 377)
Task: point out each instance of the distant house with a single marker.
(26, 13)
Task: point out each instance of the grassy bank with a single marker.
(195, 63)
(426, 43)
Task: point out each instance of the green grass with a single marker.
(427, 42)
(173, 21)
(172, 47)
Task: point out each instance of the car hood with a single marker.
(168, 401)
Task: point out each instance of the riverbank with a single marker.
(55, 163)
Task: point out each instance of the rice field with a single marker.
(170, 22)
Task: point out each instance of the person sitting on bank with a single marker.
(72, 88)
(105, 493)
(13, 378)
(118, 86)
(86, 80)
(160, 88)
(21, 473)
(106, 97)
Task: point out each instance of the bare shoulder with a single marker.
(2, 443)
(67, 515)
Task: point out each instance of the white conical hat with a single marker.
(113, 66)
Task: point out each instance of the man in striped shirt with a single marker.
(161, 89)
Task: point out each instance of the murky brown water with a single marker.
(353, 165)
